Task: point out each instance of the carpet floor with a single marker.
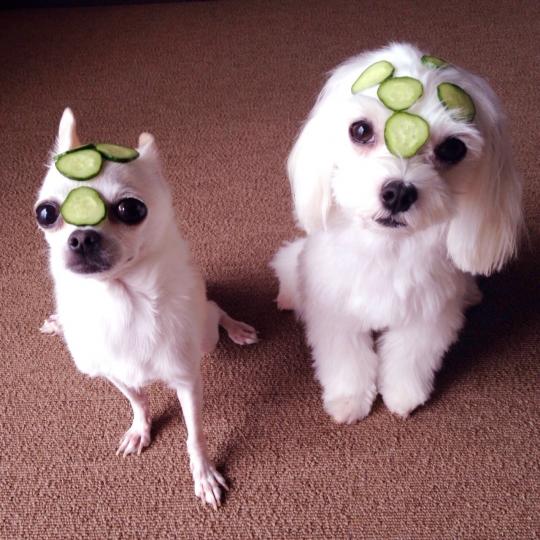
(224, 87)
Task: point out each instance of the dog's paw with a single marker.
(134, 440)
(403, 400)
(348, 409)
(52, 326)
(241, 333)
(208, 484)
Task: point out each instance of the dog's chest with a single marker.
(385, 294)
(381, 286)
(112, 331)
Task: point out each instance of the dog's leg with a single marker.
(239, 332)
(211, 327)
(285, 265)
(345, 365)
(205, 477)
(410, 357)
(137, 436)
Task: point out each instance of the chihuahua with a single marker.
(130, 302)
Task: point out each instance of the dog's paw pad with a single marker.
(348, 409)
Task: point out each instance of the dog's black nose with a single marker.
(83, 241)
(397, 196)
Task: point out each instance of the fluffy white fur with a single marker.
(146, 318)
(350, 275)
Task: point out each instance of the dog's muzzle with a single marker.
(87, 253)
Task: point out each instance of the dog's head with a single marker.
(344, 166)
(136, 205)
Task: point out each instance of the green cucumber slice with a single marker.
(83, 206)
(83, 147)
(374, 74)
(80, 164)
(115, 152)
(405, 134)
(433, 62)
(456, 100)
(399, 93)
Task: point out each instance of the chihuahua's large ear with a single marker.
(485, 231)
(147, 145)
(310, 166)
(67, 137)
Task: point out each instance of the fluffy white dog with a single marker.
(131, 304)
(392, 242)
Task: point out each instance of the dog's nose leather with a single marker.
(84, 240)
(397, 196)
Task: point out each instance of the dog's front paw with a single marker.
(208, 483)
(403, 400)
(134, 440)
(349, 409)
(51, 326)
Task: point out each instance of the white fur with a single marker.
(351, 275)
(147, 318)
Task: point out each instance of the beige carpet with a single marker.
(224, 87)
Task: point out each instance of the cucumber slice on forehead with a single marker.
(456, 100)
(85, 162)
(80, 163)
(115, 152)
(83, 206)
(82, 147)
(433, 62)
(405, 134)
(374, 74)
(400, 93)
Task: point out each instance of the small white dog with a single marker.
(131, 304)
(399, 215)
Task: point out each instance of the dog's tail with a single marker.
(285, 265)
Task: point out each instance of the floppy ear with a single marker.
(485, 231)
(67, 137)
(310, 167)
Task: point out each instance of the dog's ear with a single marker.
(147, 146)
(310, 166)
(485, 231)
(67, 137)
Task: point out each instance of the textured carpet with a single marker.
(224, 87)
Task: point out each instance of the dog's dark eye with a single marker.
(361, 132)
(451, 150)
(47, 213)
(130, 211)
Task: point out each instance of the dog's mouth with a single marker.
(90, 253)
(89, 265)
(391, 222)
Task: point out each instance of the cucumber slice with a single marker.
(400, 93)
(456, 100)
(405, 134)
(433, 62)
(80, 163)
(115, 152)
(374, 74)
(83, 147)
(83, 206)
